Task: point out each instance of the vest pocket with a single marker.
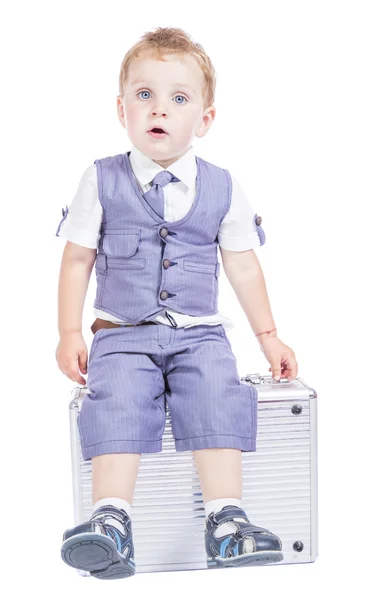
(199, 268)
(198, 286)
(120, 242)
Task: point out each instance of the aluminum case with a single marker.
(279, 483)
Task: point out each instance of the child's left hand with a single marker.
(281, 358)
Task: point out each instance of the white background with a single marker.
(290, 124)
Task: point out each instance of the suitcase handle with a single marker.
(256, 378)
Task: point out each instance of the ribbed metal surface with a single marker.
(279, 488)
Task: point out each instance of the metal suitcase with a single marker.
(279, 490)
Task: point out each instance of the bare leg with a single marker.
(114, 475)
(220, 472)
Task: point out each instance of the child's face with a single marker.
(167, 95)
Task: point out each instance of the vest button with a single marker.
(164, 232)
(258, 220)
(166, 263)
(164, 295)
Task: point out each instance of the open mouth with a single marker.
(157, 132)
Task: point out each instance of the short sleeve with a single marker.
(81, 221)
(241, 227)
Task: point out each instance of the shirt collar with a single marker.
(145, 169)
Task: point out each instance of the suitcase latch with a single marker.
(254, 378)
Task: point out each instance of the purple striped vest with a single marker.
(145, 264)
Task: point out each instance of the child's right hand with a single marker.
(71, 356)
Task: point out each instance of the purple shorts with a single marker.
(132, 370)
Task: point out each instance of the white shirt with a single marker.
(237, 230)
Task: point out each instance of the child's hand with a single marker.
(71, 356)
(281, 358)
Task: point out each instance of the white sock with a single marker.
(118, 503)
(216, 506)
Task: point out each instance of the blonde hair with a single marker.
(165, 41)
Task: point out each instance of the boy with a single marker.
(151, 220)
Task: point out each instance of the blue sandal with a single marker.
(248, 545)
(99, 548)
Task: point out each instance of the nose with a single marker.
(159, 107)
(160, 112)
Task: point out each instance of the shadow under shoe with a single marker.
(96, 546)
(248, 545)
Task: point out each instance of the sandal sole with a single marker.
(96, 554)
(254, 558)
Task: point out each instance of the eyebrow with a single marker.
(176, 85)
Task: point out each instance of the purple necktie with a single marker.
(155, 195)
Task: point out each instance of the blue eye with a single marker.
(143, 92)
(179, 96)
(183, 99)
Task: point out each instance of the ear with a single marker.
(207, 121)
(120, 111)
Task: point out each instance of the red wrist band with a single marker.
(270, 330)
